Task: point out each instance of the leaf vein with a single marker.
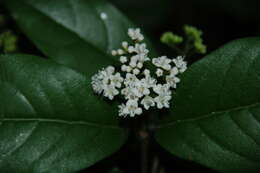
(210, 115)
(51, 147)
(60, 121)
(221, 144)
(253, 115)
(242, 130)
(21, 144)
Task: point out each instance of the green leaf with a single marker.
(49, 119)
(215, 118)
(72, 32)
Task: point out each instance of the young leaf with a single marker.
(215, 119)
(77, 33)
(50, 121)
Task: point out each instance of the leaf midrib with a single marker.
(55, 120)
(213, 113)
(59, 121)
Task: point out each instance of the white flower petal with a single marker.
(147, 102)
(114, 52)
(103, 16)
(159, 72)
(120, 52)
(136, 71)
(180, 63)
(125, 45)
(123, 59)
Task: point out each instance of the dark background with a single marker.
(220, 20)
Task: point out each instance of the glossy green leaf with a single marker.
(49, 119)
(215, 118)
(72, 32)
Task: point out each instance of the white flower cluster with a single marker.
(140, 88)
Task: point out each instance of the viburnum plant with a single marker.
(101, 80)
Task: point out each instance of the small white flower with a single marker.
(136, 71)
(147, 72)
(132, 108)
(183, 68)
(126, 92)
(130, 79)
(133, 62)
(142, 57)
(139, 58)
(103, 16)
(149, 81)
(162, 62)
(159, 72)
(125, 45)
(148, 102)
(162, 101)
(123, 59)
(135, 58)
(114, 52)
(100, 82)
(110, 70)
(180, 63)
(124, 67)
(129, 93)
(172, 80)
(128, 69)
(140, 65)
(131, 49)
(162, 89)
(174, 71)
(135, 34)
(104, 74)
(141, 49)
(121, 111)
(97, 87)
(164, 95)
(141, 88)
(97, 83)
(116, 80)
(110, 91)
(120, 52)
